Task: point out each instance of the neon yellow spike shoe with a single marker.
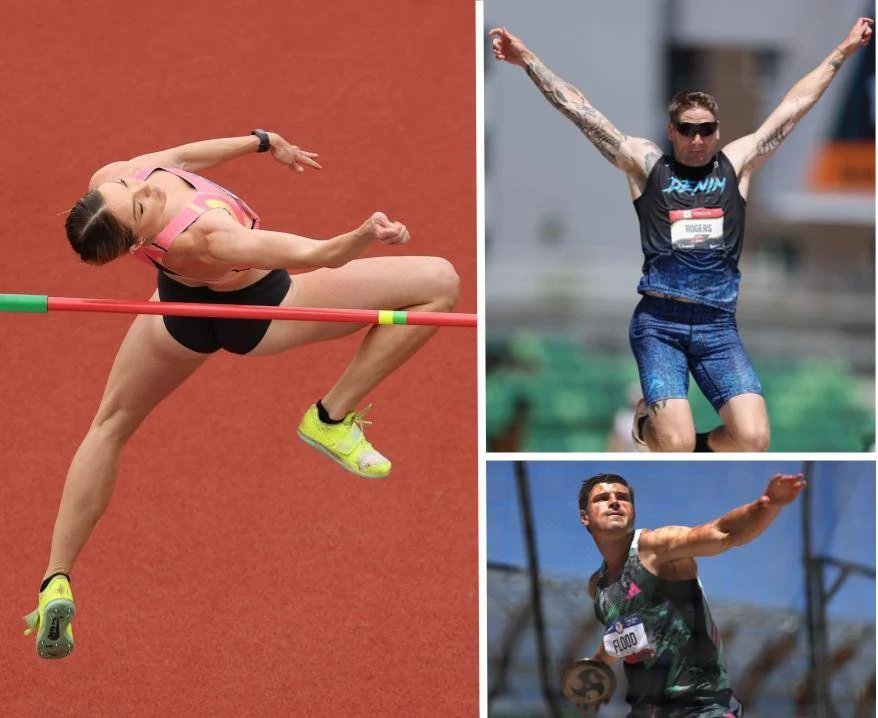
(344, 443)
(51, 620)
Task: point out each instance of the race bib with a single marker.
(697, 228)
(626, 637)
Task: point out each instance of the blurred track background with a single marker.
(239, 572)
(795, 607)
(562, 252)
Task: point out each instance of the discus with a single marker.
(588, 683)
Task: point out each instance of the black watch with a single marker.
(263, 140)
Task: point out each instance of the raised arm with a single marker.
(198, 156)
(633, 155)
(225, 242)
(736, 528)
(749, 152)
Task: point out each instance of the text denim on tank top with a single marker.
(691, 232)
(670, 618)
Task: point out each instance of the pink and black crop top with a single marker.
(209, 195)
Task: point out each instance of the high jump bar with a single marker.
(41, 304)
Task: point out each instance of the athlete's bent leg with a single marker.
(669, 426)
(659, 347)
(405, 283)
(427, 284)
(725, 375)
(148, 367)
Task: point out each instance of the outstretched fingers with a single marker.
(783, 489)
(302, 159)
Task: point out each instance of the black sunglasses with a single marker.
(690, 129)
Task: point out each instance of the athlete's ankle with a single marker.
(324, 415)
(48, 579)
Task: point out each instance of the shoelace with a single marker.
(368, 457)
(33, 621)
(358, 420)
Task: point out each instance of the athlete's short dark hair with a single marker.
(95, 234)
(687, 99)
(590, 483)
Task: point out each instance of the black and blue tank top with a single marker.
(692, 231)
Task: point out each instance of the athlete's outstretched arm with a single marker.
(739, 526)
(226, 242)
(749, 152)
(630, 154)
(198, 156)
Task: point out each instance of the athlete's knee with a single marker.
(752, 437)
(116, 422)
(674, 439)
(446, 283)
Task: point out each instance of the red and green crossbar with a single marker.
(41, 304)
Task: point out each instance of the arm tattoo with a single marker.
(652, 156)
(771, 142)
(570, 101)
(605, 140)
(799, 100)
(774, 139)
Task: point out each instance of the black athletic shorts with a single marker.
(238, 336)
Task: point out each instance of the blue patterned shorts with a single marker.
(670, 339)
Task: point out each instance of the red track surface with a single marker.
(237, 571)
